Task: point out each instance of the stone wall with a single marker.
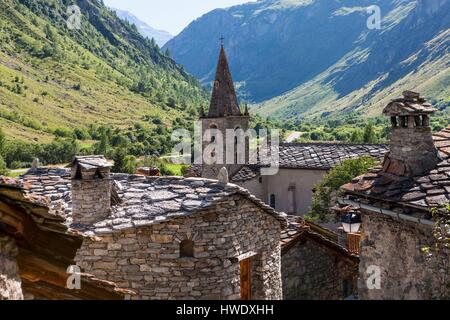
(147, 259)
(406, 272)
(10, 283)
(312, 272)
(222, 124)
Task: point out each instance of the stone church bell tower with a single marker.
(224, 113)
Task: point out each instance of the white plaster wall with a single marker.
(304, 181)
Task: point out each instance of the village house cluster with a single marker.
(222, 233)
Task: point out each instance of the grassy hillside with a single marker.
(367, 78)
(318, 100)
(54, 80)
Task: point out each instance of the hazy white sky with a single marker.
(170, 15)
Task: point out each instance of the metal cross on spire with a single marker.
(221, 40)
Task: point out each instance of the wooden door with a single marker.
(354, 243)
(246, 288)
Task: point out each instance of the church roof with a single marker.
(410, 194)
(223, 99)
(143, 200)
(313, 156)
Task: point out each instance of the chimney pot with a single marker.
(412, 145)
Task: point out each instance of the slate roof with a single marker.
(46, 220)
(314, 156)
(91, 162)
(325, 155)
(298, 229)
(410, 104)
(422, 192)
(143, 200)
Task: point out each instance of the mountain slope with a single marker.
(411, 54)
(307, 57)
(161, 37)
(54, 78)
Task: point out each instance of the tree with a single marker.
(3, 169)
(439, 248)
(102, 147)
(124, 163)
(2, 142)
(356, 136)
(327, 190)
(49, 34)
(369, 135)
(441, 232)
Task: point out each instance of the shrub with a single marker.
(123, 162)
(327, 190)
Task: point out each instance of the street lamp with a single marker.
(351, 222)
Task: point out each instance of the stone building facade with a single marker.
(396, 200)
(37, 247)
(407, 273)
(170, 237)
(314, 266)
(149, 259)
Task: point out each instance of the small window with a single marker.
(347, 289)
(272, 201)
(186, 248)
(292, 209)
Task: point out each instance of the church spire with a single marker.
(223, 100)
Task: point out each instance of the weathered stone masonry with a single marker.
(396, 200)
(406, 272)
(313, 265)
(313, 273)
(147, 259)
(10, 283)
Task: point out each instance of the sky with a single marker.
(170, 15)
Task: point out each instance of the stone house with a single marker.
(37, 249)
(314, 266)
(167, 237)
(396, 200)
(301, 165)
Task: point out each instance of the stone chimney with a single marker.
(412, 150)
(91, 189)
